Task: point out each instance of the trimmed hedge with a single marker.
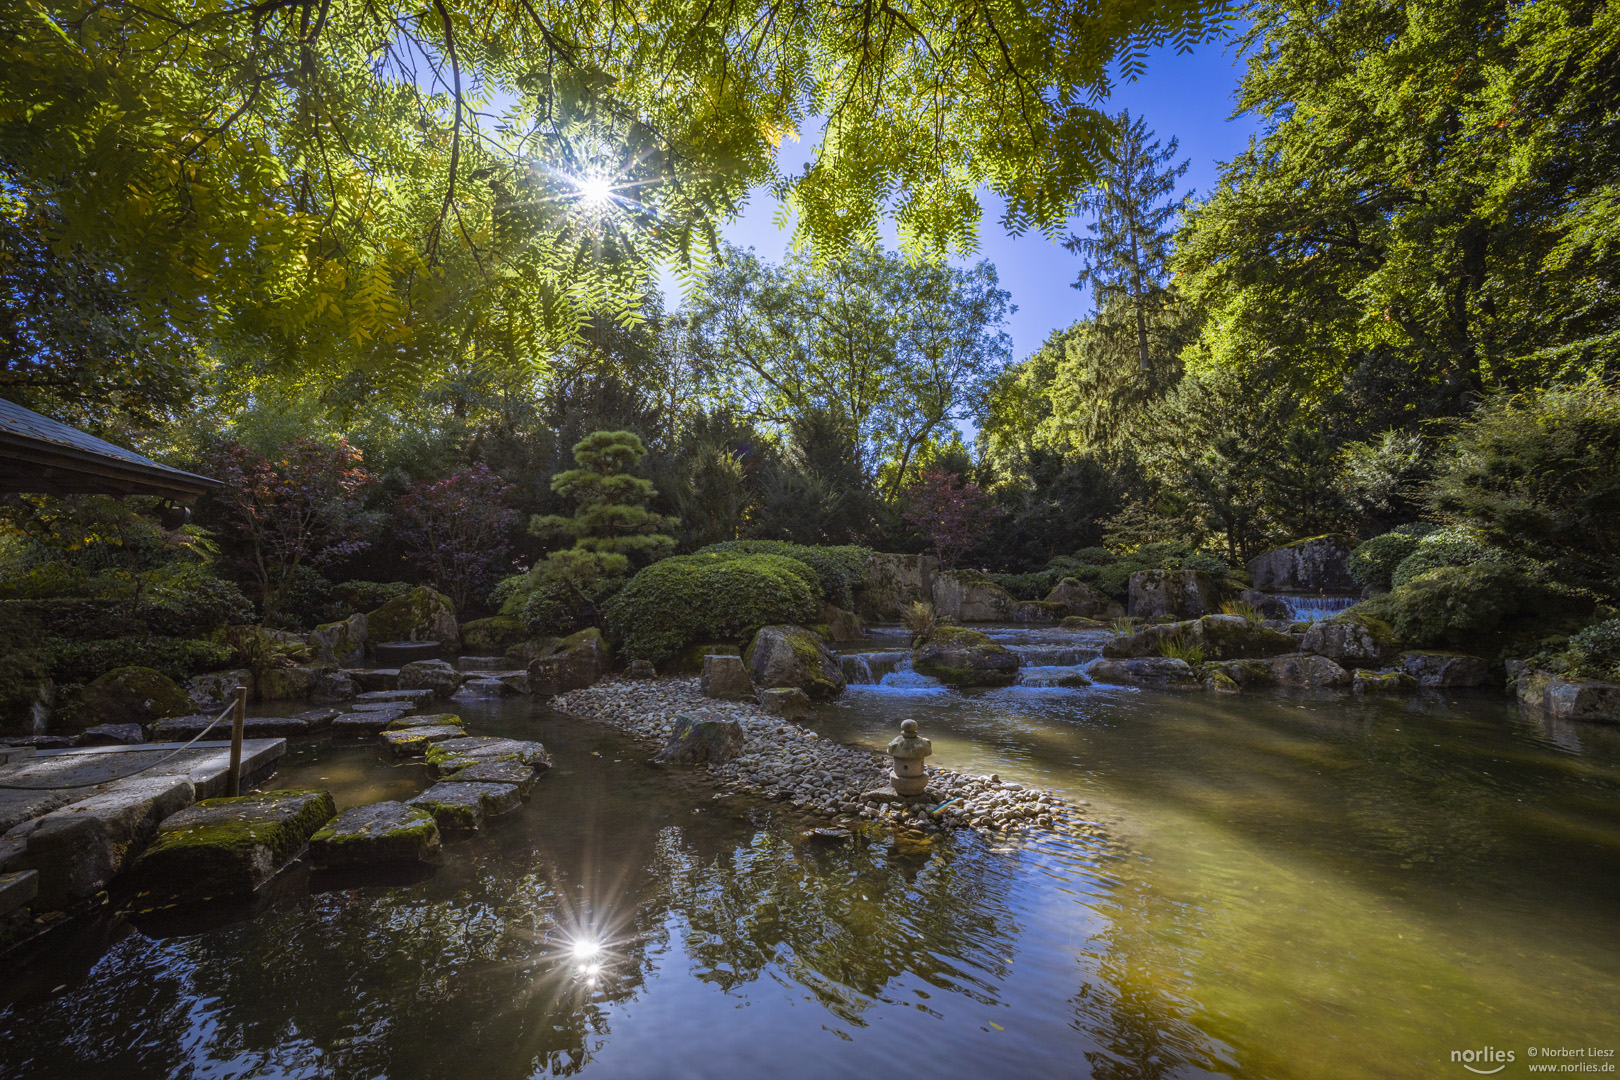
(710, 596)
(839, 570)
(1373, 562)
(1472, 605)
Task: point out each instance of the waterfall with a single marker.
(867, 669)
(1317, 608)
(1066, 656)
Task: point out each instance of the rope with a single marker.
(144, 768)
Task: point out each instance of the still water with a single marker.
(1290, 887)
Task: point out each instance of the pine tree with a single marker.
(612, 523)
(1136, 210)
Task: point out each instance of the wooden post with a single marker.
(233, 781)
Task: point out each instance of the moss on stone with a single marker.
(492, 636)
(420, 615)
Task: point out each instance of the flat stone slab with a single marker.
(357, 725)
(419, 698)
(309, 722)
(453, 755)
(405, 652)
(463, 808)
(111, 735)
(70, 775)
(474, 689)
(381, 834)
(521, 776)
(400, 707)
(409, 742)
(229, 847)
(79, 848)
(17, 889)
(421, 720)
(481, 663)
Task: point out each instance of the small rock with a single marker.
(788, 702)
(435, 675)
(641, 669)
(703, 737)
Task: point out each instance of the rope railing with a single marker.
(237, 710)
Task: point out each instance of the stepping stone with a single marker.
(419, 698)
(183, 728)
(462, 808)
(384, 833)
(229, 847)
(371, 680)
(419, 720)
(405, 652)
(364, 724)
(481, 663)
(452, 755)
(412, 742)
(474, 689)
(497, 772)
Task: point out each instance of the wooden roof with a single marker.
(41, 455)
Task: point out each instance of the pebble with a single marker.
(781, 760)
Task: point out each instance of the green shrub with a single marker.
(839, 570)
(81, 661)
(1595, 651)
(552, 609)
(1454, 545)
(1539, 477)
(1373, 562)
(1468, 605)
(710, 596)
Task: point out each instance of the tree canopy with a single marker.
(331, 190)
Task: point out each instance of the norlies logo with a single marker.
(1476, 1060)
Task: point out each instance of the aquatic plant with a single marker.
(1178, 648)
(920, 618)
(1124, 627)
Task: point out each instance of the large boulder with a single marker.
(1309, 672)
(958, 656)
(435, 675)
(379, 834)
(286, 683)
(420, 615)
(1146, 671)
(1350, 640)
(893, 582)
(229, 847)
(126, 695)
(841, 625)
(1244, 674)
(579, 660)
(726, 678)
(1571, 699)
(1221, 637)
(219, 687)
(1186, 594)
(793, 656)
(788, 702)
(963, 596)
(332, 686)
(492, 636)
(1082, 600)
(1434, 670)
(1315, 565)
(702, 737)
(342, 643)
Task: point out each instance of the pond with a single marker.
(1289, 887)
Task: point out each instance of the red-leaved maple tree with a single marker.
(951, 514)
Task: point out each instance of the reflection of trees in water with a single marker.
(1137, 999)
(845, 922)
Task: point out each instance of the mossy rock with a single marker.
(793, 656)
(1221, 637)
(460, 808)
(229, 847)
(1080, 622)
(420, 615)
(126, 695)
(379, 834)
(492, 636)
(958, 656)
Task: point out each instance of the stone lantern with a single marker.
(908, 752)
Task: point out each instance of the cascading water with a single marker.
(1317, 608)
(865, 669)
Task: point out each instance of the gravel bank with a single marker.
(781, 760)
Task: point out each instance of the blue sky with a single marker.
(1188, 97)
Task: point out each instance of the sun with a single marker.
(594, 190)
